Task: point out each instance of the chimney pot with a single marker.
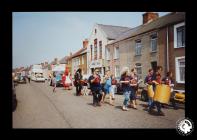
(149, 16)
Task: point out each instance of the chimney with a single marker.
(70, 53)
(85, 43)
(149, 16)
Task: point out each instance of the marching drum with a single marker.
(162, 93)
(150, 91)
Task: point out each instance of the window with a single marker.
(153, 43)
(107, 54)
(179, 35)
(100, 49)
(117, 71)
(138, 46)
(138, 67)
(116, 53)
(95, 49)
(180, 69)
(95, 31)
(91, 52)
(83, 59)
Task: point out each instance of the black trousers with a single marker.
(78, 89)
(97, 96)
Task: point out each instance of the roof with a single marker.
(63, 60)
(79, 52)
(112, 32)
(163, 21)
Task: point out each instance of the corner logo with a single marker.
(184, 126)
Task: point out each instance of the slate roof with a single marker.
(160, 22)
(111, 31)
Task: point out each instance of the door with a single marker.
(154, 65)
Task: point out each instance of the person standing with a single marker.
(133, 86)
(107, 87)
(54, 82)
(113, 89)
(125, 81)
(96, 88)
(148, 81)
(169, 81)
(157, 80)
(78, 78)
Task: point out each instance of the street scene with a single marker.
(92, 70)
(39, 107)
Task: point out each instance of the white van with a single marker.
(37, 74)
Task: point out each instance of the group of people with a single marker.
(102, 88)
(154, 79)
(129, 80)
(99, 88)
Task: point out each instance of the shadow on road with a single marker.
(118, 107)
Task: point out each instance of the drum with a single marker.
(162, 93)
(150, 91)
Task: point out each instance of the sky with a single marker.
(42, 36)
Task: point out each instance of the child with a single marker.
(113, 87)
(85, 87)
(168, 81)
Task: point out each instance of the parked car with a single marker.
(59, 82)
(22, 80)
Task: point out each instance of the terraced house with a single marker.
(158, 41)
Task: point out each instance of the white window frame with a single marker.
(153, 39)
(137, 46)
(117, 72)
(116, 53)
(82, 59)
(175, 33)
(136, 67)
(107, 53)
(177, 69)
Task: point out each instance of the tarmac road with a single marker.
(39, 107)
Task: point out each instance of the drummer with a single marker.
(148, 81)
(169, 81)
(156, 80)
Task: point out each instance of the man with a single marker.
(96, 87)
(157, 80)
(78, 78)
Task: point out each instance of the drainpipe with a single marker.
(167, 59)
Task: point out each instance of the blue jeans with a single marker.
(126, 97)
(150, 100)
(158, 105)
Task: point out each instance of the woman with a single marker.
(133, 88)
(125, 81)
(107, 87)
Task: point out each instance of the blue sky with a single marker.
(43, 36)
